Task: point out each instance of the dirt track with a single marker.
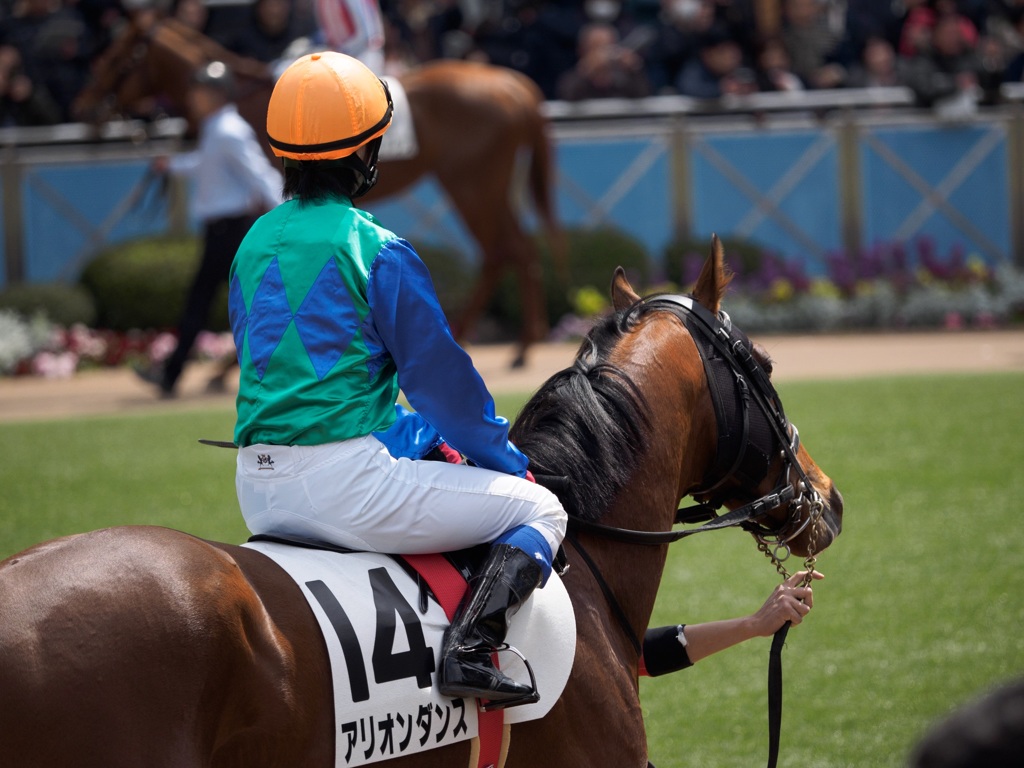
(796, 357)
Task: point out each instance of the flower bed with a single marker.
(894, 286)
(39, 348)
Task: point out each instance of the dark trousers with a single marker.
(221, 238)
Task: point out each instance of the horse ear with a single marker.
(623, 295)
(714, 278)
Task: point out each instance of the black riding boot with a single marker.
(496, 591)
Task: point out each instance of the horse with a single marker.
(147, 646)
(473, 123)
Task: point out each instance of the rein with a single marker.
(721, 345)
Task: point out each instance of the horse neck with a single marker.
(679, 450)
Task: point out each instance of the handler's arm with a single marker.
(672, 648)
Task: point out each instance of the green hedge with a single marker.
(452, 276)
(593, 255)
(741, 255)
(61, 304)
(142, 284)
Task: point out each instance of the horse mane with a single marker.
(589, 423)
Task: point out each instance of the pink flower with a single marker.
(55, 365)
(954, 322)
(215, 345)
(86, 342)
(162, 347)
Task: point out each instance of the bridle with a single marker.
(752, 431)
(752, 428)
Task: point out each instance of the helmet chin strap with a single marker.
(368, 169)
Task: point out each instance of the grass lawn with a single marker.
(921, 610)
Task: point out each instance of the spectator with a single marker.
(992, 63)
(918, 29)
(54, 47)
(812, 45)
(267, 32)
(717, 69)
(947, 77)
(538, 39)
(604, 69)
(679, 27)
(235, 183)
(867, 19)
(879, 67)
(774, 70)
(21, 102)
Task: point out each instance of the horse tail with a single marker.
(541, 187)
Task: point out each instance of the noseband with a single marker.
(752, 429)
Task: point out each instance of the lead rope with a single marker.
(775, 654)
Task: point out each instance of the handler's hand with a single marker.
(788, 602)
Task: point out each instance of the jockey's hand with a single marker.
(530, 477)
(444, 452)
(788, 602)
(450, 454)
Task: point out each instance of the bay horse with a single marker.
(473, 123)
(147, 646)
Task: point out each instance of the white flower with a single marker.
(15, 341)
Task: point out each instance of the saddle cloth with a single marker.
(384, 644)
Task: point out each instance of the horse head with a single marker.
(147, 70)
(755, 464)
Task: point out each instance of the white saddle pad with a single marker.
(399, 142)
(384, 653)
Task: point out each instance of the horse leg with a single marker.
(489, 216)
(491, 270)
(529, 273)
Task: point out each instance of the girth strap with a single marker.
(448, 586)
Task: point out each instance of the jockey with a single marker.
(332, 314)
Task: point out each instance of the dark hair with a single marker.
(313, 181)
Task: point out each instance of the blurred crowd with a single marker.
(948, 52)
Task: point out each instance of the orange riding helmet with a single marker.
(326, 106)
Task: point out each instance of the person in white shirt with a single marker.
(234, 183)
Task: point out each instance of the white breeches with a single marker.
(355, 494)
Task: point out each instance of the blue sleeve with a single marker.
(434, 372)
(410, 437)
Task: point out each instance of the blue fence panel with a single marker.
(423, 215)
(71, 212)
(623, 182)
(778, 189)
(949, 185)
(779, 186)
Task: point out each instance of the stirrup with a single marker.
(527, 698)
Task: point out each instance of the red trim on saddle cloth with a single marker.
(448, 586)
